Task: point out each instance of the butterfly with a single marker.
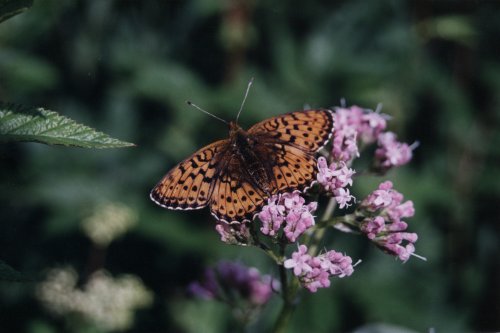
(235, 176)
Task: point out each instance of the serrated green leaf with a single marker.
(9, 8)
(8, 273)
(18, 123)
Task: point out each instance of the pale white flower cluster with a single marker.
(108, 222)
(107, 302)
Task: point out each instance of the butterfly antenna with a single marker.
(244, 99)
(196, 106)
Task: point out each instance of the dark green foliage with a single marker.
(9, 8)
(8, 273)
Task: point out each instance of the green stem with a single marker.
(289, 290)
(283, 276)
(264, 247)
(270, 253)
(284, 317)
(319, 233)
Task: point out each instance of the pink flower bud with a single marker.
(288, 209)
(315, 272)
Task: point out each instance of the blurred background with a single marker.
(127, 67)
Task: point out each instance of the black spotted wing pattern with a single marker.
(290, 141)
(190, 183)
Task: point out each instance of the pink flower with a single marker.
(398, 211)
(385, 228)
(293, 200)
(334, 179)
(317, 278)
(299, 261)
(352, 125)
(297, 223)
(372, 227)
(272, 216)
(399, 244)
(231, 282)
(262, 288)
(373, 123)
(391, 153)
(380, 198)
(344, 141)
(288, 209)
(236, 233)
(315, 272)
(343, 197)
(205, 289)
(337, 264)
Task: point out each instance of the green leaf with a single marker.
(8, 273)
(19, 123)
(9, 8)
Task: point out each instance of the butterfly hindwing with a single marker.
(291, 167)
(234, 198)
(190, 183)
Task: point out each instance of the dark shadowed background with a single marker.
(127, 67)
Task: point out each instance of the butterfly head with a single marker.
(234, 129)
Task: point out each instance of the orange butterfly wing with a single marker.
(286, 145)
(190, 183)
(234, 198)
(307, 130)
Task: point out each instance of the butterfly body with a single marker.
(235, 176)
(244, 147)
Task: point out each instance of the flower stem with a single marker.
(284, 317)
(264, 247)
(289, 291)
(319, 233)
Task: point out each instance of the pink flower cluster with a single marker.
(352, 124)
(335, 178)
(229, 280)
(315, 272)
(236, 233)
(288, 209)
(385, 209)
(390, 152)
(356, 125)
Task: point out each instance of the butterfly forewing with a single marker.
(189, 184)
(289, 143)
(309, 130)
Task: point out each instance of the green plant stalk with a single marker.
(318, 235)
(289, 291)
